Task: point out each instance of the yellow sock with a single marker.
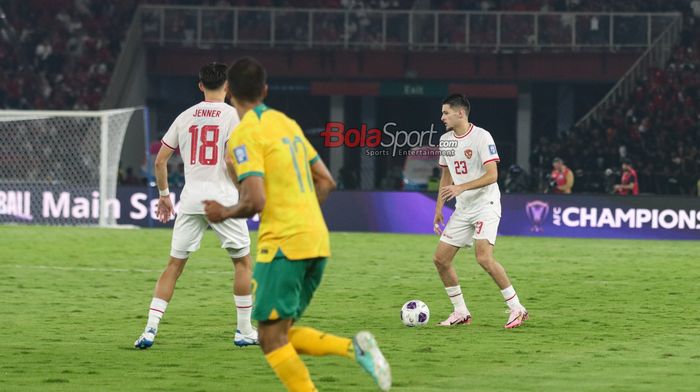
(314, 342)
(290, 369)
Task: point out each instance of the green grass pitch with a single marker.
(606, 315)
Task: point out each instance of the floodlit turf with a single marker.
(605, 315)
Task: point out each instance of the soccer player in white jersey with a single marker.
(468, 158)
(201, 133)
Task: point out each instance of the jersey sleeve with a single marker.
(170, 139)
(311, 153)
(247, 153)
(487, 149)
(442, 161)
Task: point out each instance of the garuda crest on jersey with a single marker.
(468, 153)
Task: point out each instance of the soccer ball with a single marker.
(415, 313)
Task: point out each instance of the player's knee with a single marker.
(238, 253)
(270, 342)
(177, 265)
(485, 261)
(441, 262)
(244, 262)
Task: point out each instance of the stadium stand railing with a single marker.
(655, 56)
(209, 26)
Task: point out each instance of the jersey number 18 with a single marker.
(209, 139)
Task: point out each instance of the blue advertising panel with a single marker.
(582, 216)
(642, 217)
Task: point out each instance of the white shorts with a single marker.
(463, 228)
(189, 229)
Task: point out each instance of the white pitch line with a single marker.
(94, 269)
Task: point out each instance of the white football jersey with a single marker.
(465, 157)
(201, 133)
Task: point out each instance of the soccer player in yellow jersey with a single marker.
(281, 177)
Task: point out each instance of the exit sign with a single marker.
(418, 89)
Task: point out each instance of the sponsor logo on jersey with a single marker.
(492, 149)
(468, 153)
(240, 154)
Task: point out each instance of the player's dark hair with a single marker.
(213, 75)
(458, 101)
(247, 79)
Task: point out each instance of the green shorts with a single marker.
(283, 288)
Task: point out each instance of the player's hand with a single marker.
(438, 223)
(165, 209)
(449, 192)
(214, 211)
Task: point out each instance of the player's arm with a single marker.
(628, 187)
(161, 167)
(449, 192)
(323, 180)
(630, 184)
(251, 200)
(445, 181)
(245, 161)
(165, 205)
(231, 169)
(569, 182)
(322, 177)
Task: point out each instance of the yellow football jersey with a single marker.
(271, 145)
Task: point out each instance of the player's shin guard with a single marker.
(290, 369)
(310, 341)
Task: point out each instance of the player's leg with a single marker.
(246, 334)
(234, 237)
(483, 251)
(165, 287)
(187, 235)
(310, 341)
(362, 348)
(282, 357)
(307, 340)
(485, 239)
(457, 234)
(277, 285)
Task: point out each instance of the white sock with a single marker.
(244, 307)
(511, 298)
(455, 294)
(155, 313)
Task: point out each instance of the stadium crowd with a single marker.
(657, 128)
(59, 54)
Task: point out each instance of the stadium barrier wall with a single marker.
(579, 216)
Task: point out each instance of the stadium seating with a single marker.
(65, 50)
(656, 127)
